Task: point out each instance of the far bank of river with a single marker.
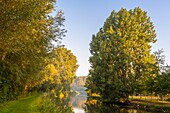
(136, 106)
(78, 104)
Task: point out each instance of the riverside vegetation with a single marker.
(122, 63)
(32, 59)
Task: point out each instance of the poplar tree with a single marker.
(121, 58)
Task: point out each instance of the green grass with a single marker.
(28, 104)
(150, 103)
(148, 100)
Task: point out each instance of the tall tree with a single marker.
(26, 36)
(121, 54)
(60, 71)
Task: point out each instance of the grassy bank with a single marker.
(150, 104)
(27, 104)
(37, 103)
(155, 101)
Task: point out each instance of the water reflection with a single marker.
(63, 105)
(100, 108)
(52, 104)
(78, 103)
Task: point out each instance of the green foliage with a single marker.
(121, 59)
(26, 38)
(60, 71)
(162, 84)
(159, 84)
(160, 60)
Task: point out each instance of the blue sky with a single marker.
(86, 17)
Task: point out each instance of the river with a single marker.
(78, 102)
(78, 105)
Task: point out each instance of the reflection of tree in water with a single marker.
(96, 107)
(51, 104)
(78, 101)
(64, 105)
(99, 109)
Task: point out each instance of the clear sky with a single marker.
(86, 17)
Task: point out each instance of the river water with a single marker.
(78, 105)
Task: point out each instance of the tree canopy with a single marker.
(60, 71)
(27, 35)
(121, 55)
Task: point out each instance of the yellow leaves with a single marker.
(52, 69)
(92, 94)
(61, 96)
(60, 71)
(53, 91)
(51, 79)
(51, 74)
(33, 31)
(58, 81)
(110, 31)
(65, 64)
(95, 95)
(66, 95)
(88, 91)
(91, 102)
(46, 78)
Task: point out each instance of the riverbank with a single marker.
(152, 106)
(26, 104)
(37, 103)
(144, 104)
